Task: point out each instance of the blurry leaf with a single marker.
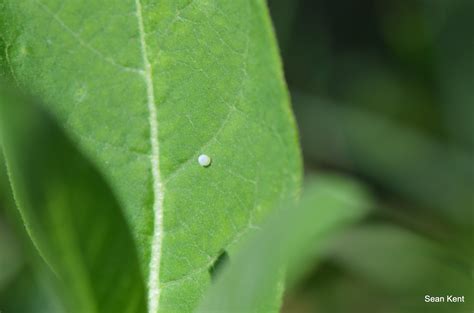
(331, 290)
(283, 13)
(399, 158)
(285, 244)
(403, 264)
(367, 83)
(455, 71)
(70, 213)
(26, 284)
(143, 88)
(409, 27)
(30, 293)
(6, 198)
(10, 255)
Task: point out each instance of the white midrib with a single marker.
(154, 267)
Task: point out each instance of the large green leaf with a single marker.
(143, 87)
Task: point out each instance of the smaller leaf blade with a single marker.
(69, 212)
(253, 282)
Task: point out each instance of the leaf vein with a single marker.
(82, 42)
(154, 290)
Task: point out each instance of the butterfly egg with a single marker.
(204, 160)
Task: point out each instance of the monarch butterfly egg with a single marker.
(204, 160)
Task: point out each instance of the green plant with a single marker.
(155, 165)
(104, 165)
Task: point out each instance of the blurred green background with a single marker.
(383, 91)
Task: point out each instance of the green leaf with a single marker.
(70, 213)
(143, 88)
(289, 241)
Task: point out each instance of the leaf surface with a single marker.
(143, 88)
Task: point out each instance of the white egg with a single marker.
(204, 160)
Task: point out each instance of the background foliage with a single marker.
(383, 92)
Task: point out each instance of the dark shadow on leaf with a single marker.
(218, 265)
